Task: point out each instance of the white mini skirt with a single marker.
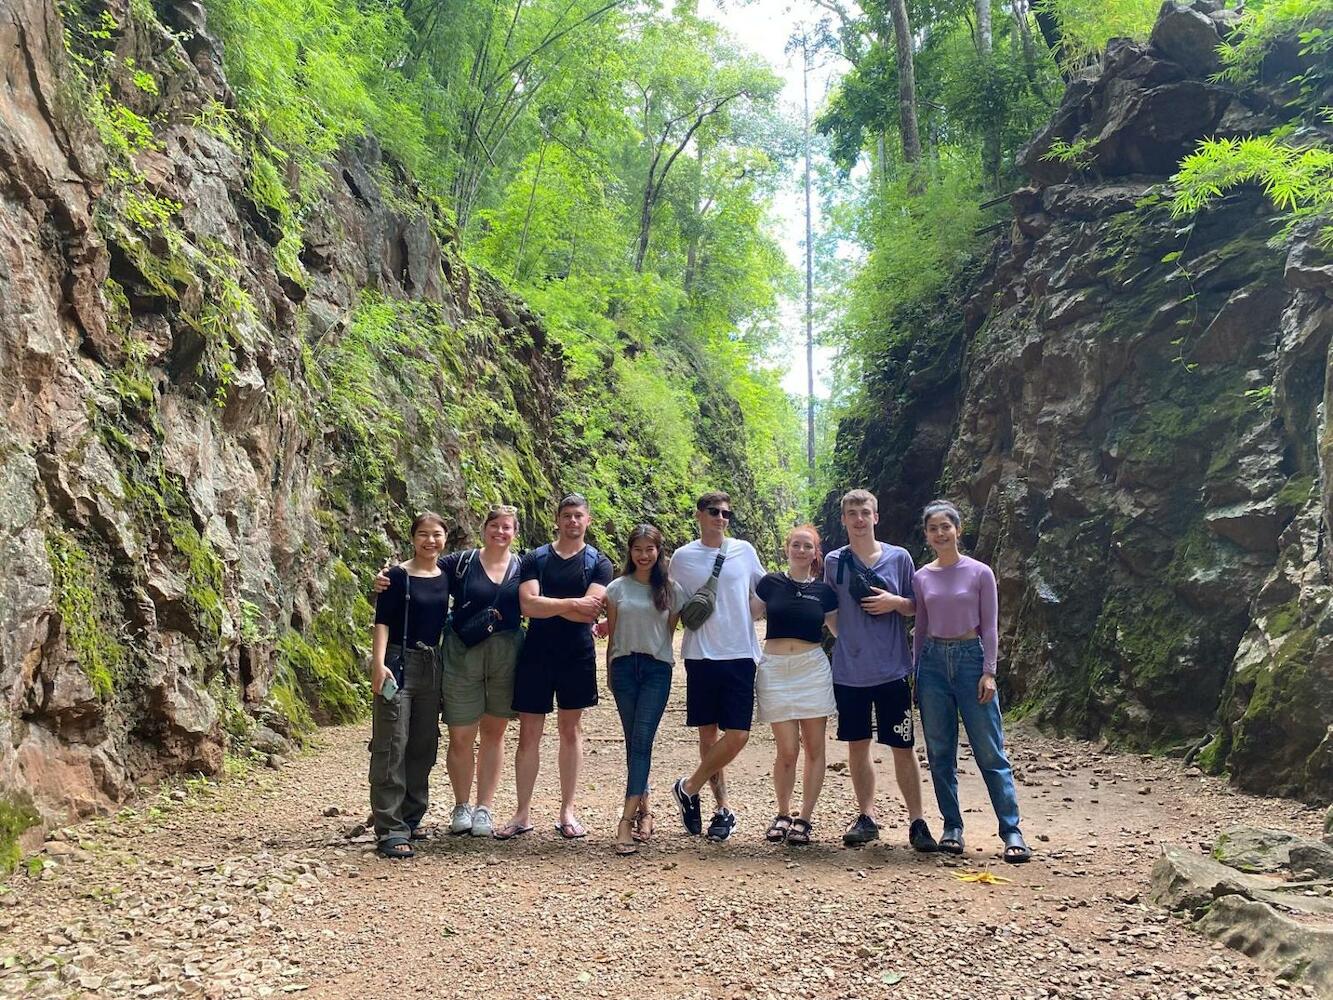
(794, 686)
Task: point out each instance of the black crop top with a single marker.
(425, 616)
(796, 610)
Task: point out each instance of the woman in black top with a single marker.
(481, 648)
(794, 683)
(405, 676)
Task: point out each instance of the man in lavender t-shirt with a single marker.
(871, 663)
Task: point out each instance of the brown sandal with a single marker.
(643, 827)
(623, 849)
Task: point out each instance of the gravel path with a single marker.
(247, 889)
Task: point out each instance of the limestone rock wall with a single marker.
(1132, 409)
(193, 433)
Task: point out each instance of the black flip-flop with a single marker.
(1013, 841)
(395, 849)
(951, 840)
(514, 831)
(571, 831)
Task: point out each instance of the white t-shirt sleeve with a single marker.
(757, 571)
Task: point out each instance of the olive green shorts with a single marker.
(480, 680)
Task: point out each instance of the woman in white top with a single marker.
(642, 606)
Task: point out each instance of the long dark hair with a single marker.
(657, 576)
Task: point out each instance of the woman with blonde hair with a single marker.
(794, 683)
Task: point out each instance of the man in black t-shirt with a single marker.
(561, 592)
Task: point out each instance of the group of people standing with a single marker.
(449, 643)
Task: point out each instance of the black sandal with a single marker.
(779, 829)
(1016, 850)
(799, 833)
(395, 848)
(951, 840)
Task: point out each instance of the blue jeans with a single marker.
(641, 686)
(947, 679)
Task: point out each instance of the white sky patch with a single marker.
(764, 27)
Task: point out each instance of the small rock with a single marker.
(332, 811)
(1146, 790)
(276, 761)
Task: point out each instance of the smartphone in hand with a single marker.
(389, 689)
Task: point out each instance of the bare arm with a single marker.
(588, 608)
(610, 636)
(758, 609)
(534, 605)
(378, 647)
(831, 623)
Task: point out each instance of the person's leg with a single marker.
(388, 743)
(499, 656)
(733, 712)
(787, 741)
(460, 760)
(654, 691)
(423, 733)
(939, 722)
(527, 762)
(862, 769)
(985, 732)
(812, 779)
(625, 691)
(719, 755)
(893, 709)
(908, 772)
(570, 723)
(490, 759)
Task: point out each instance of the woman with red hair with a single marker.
(794, 683)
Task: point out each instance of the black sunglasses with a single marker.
(721, 512)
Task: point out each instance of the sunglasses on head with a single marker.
(721, 512)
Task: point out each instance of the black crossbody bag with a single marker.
(482, 625)
(863, 578)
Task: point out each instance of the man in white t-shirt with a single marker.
(720, 658)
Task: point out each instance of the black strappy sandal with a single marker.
(1016, 850)
(799, 834)
(779, 829)
(395, 849)
(951, 840)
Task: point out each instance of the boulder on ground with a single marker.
(1258, 850)
(1299, 952)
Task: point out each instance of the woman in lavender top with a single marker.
(955, 643)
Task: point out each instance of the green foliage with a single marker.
(1087, 25)
(84, 617)
(1074, 154)
(1297, 177)
(326, 659)
(16, 816)
(1293, 165)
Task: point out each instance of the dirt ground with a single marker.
(246, 888)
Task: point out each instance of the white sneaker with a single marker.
(481, 822)
(461, 821)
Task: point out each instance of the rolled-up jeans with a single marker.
(404, 742)
(948, 675)
(641, 686)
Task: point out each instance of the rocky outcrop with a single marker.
(1248, 912)
(1138, 431)
(216, 422)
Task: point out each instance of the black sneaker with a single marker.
(690, 812)
(920, 838)
(863, 831)
(724, 822)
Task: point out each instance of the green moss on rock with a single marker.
(88, 628)
(16, 815)
(326, 662)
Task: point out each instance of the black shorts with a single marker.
(719, 693)
(892, 705)
(542, 681)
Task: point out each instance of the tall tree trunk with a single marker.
(902, 38)
(809, 278)
(1021, 14)
(527, 216)
(990, 144)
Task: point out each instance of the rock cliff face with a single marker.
(1133, 412)
(212, 433)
